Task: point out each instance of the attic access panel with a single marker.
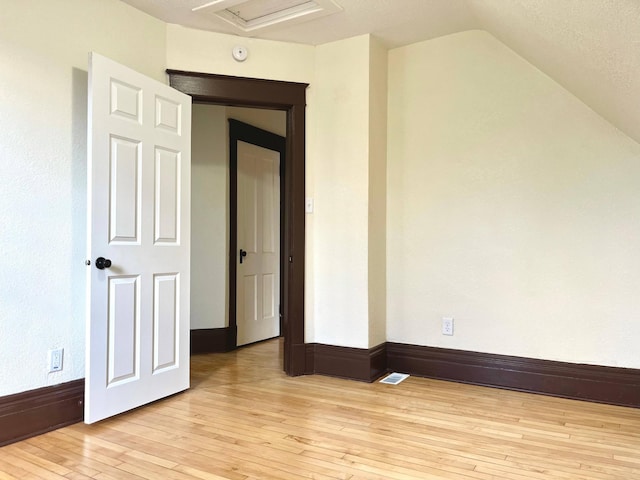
(253, 16)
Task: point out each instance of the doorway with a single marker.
(291, 98)
(256, 163)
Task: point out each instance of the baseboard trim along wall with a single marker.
(616, 386)
(213, 340)
(26, 414)
(345, 362)
(594, 383)
(31, 413)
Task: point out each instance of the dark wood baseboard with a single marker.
(309, 358)
(353, 363)
(616, 386)
(298, 360)
(213, 340)
(31, 413)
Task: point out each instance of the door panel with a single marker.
(270, 222)
(124, 320)
(167, 197)
(268, 296)
(124, 191)
(126, 101)
(258, 276)
(139, 142)
(165, 321)
(249, 206)
(168, 115)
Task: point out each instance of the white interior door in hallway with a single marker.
(139, 177)
(258, 260)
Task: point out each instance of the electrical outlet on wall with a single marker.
(447, 326)
(55, 359)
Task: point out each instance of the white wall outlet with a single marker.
(55, 359)
(447, 326)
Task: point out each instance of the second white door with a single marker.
(258, 256)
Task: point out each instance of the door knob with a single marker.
(242, 255)
(102, 263)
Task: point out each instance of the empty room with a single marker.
(225, 222)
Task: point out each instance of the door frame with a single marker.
(244, 132)
(291, 98)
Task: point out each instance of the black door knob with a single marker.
(242, 255)
(102, 263)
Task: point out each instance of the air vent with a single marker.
(253, 16)
(394, 378)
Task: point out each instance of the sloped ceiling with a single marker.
(591, 47)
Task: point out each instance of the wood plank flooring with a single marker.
(244, 419)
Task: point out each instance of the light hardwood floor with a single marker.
(244, 419)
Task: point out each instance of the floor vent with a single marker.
(394, 378)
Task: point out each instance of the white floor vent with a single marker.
(394, 378)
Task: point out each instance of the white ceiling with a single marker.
(395, 22)
(591, 47)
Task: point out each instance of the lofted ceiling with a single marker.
(591, 47)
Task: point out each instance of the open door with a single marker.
(139, 177)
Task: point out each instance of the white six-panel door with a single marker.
(139, 140)
(258, 276)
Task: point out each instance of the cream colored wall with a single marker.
(44, 48)
(340, 150)
(200, 51)
(377, 193)
(512, 207)
(209, 217)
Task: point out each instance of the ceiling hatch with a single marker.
(252, 16)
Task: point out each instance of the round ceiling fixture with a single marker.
(240, 53)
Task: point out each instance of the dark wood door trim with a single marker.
(240, 131)
(290, 97)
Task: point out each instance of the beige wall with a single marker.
(208, 52)
(512, 207)
(339, 150)
(209, 217)
(377, 193)
(44, 49)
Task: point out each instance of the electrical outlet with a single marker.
(55, 359)
(447, 326)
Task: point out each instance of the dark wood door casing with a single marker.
(290, 97)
